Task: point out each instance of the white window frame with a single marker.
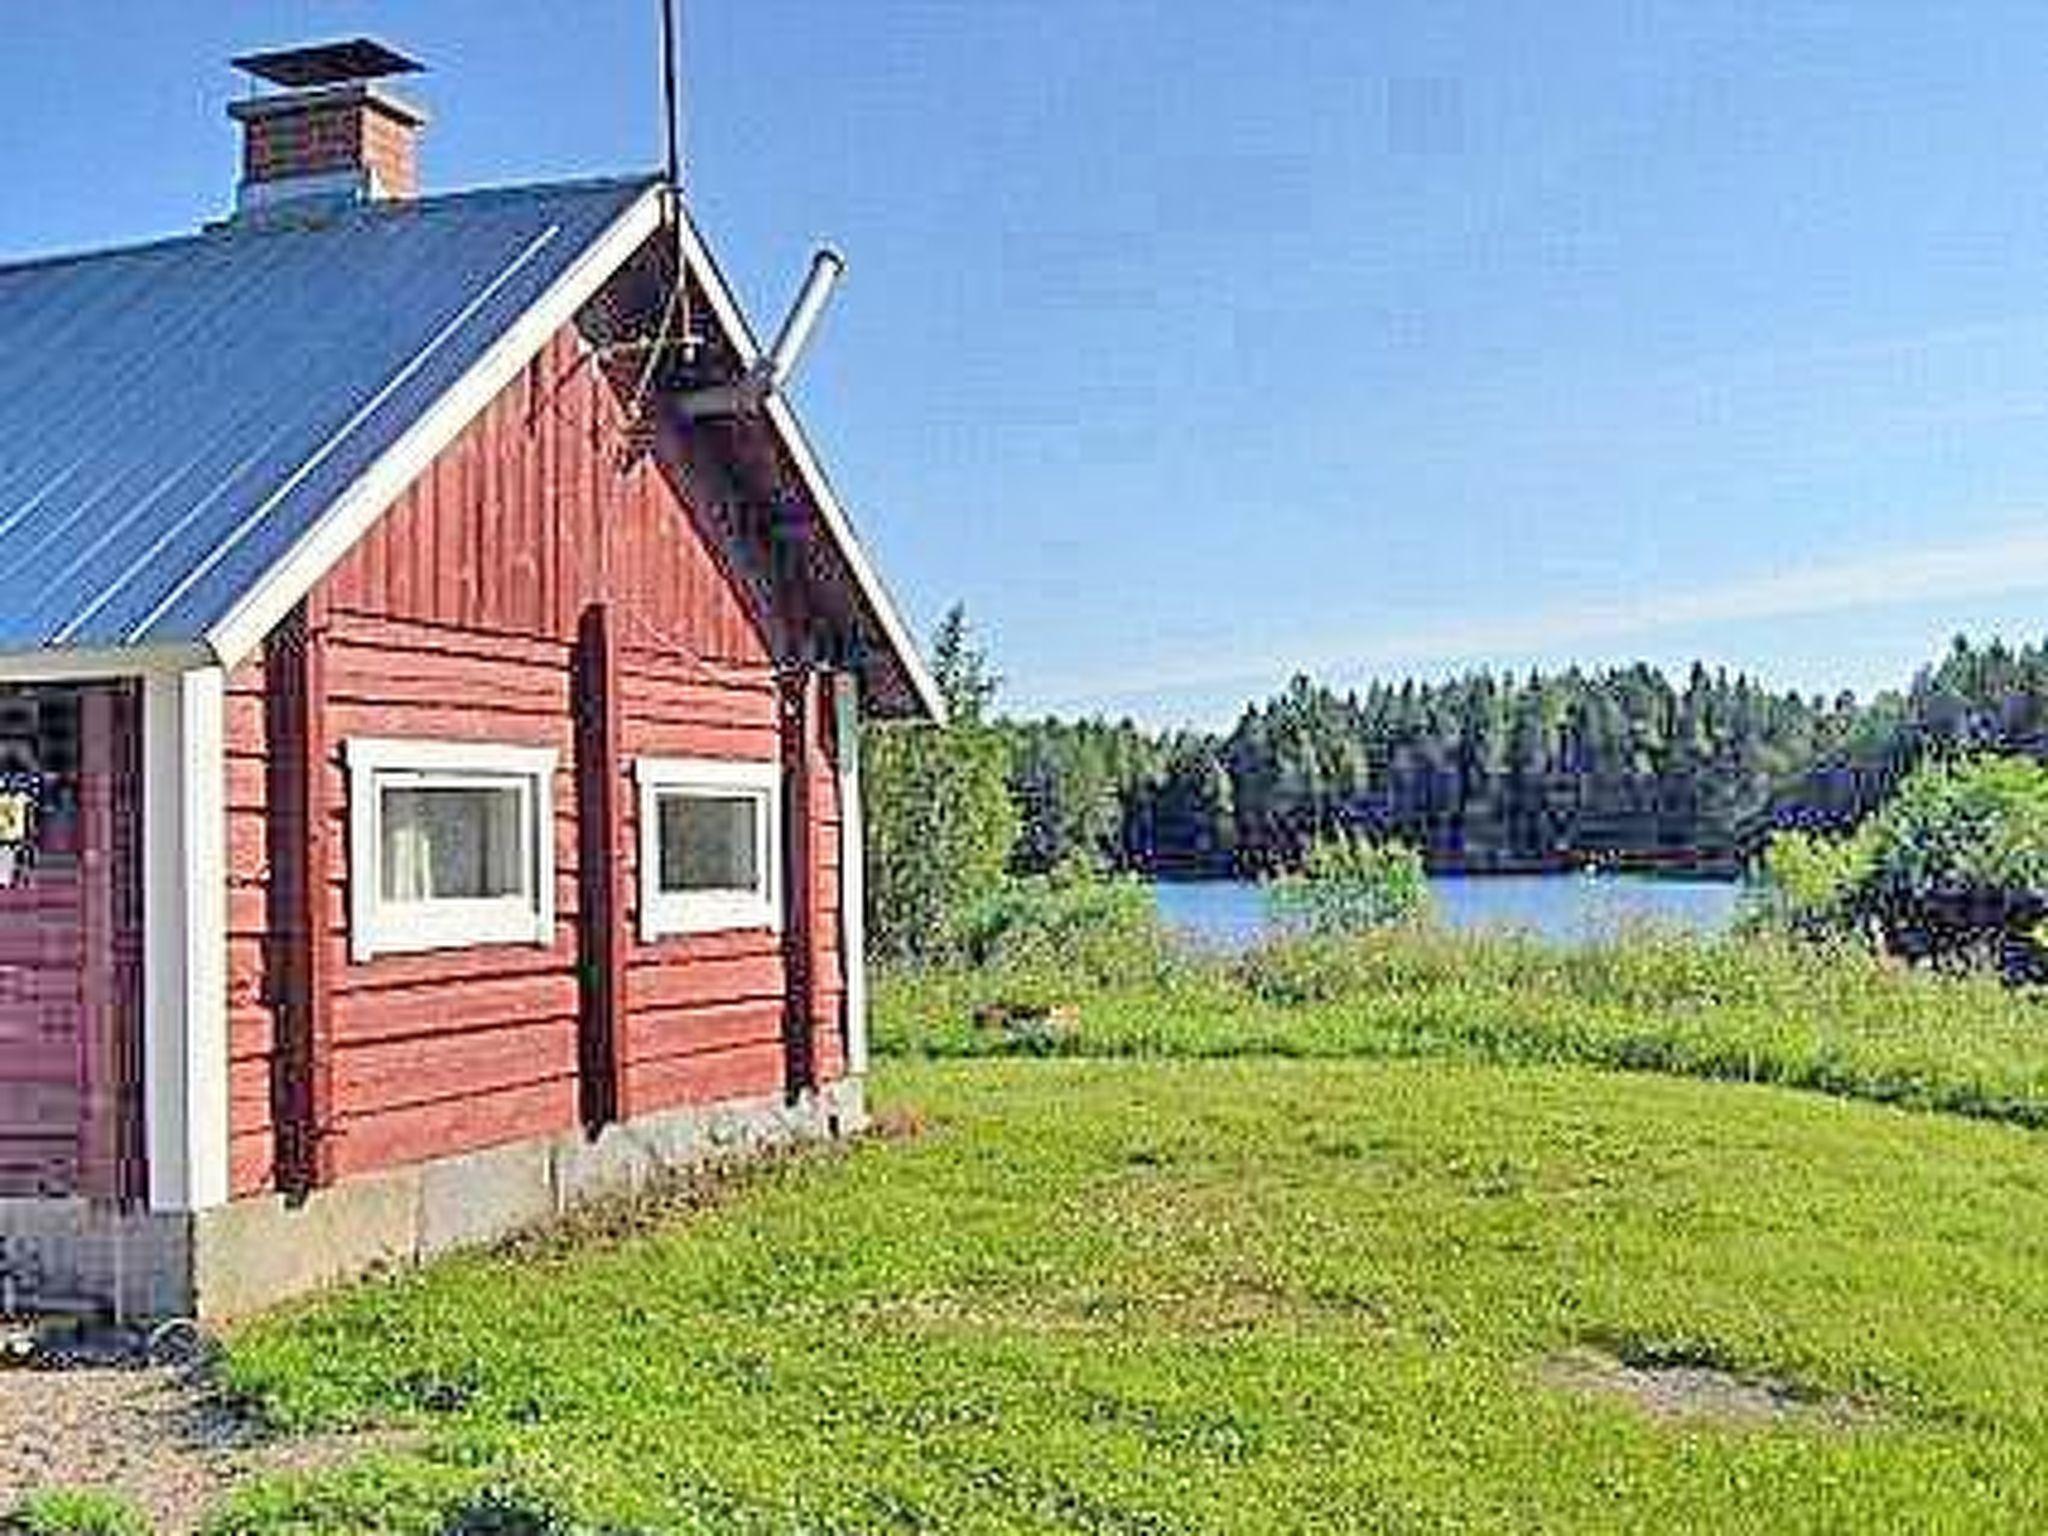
(665, 913)
(380, 927)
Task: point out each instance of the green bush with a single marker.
(1959, 863)
(1350, 884)
(1292, 969)
(939, 817)
(1072, 927)
(1953, 869)
(77, 1512)
(1807, 886)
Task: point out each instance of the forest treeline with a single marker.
(1624, 767)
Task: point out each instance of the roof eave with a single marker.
(91, 664)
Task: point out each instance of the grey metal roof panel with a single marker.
(174, 417)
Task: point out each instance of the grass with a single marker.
(75, 1512)
(1225, 1295)
(1839, 1022)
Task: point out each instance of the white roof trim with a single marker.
(338, 529)
(791, 432)
(91, 664)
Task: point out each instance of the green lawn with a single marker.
(1232, 1295)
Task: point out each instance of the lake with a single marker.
(1567, 909)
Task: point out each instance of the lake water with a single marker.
(1569, 909)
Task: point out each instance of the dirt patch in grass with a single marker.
(162, 1437)
(1689, 1390)
(898, 1122)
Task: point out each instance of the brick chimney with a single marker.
(333, 133)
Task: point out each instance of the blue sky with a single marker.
(1190, 344)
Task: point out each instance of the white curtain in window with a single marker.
(451, 842)
(408, 851)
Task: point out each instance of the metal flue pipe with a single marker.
(827, 267)
(772, 370)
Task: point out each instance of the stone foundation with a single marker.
(236, 1259)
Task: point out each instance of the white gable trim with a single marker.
(922, 683)
(338, 529)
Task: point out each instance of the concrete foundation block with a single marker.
(235, 1259)
(251, 1253)
(479, 1197)
(845, 1104)
(619, 1160)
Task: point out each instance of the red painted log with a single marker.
(602, 908)
(99, 1021)
(799, 832)
(300, 839)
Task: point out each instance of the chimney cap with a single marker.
(356, 58)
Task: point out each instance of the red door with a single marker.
(69, 942)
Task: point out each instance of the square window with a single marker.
(709, 842)
(709, 845)
(450, 844)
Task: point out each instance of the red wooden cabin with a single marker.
(428, 705)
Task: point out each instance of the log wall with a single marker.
(457, 618)
(70, 982)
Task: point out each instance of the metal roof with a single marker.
(175, 417)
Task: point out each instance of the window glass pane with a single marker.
(452, 842)
(710, 842)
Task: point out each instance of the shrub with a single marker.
(1953, 870)
(1299, 968)
(940, 821)
(1807, 886)
(1350, 884)
(1070, 927)
(1958, 863)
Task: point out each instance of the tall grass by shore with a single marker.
(1834, 1020)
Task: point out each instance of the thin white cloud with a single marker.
(1992, 567)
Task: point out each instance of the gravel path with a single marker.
(154, 1434)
